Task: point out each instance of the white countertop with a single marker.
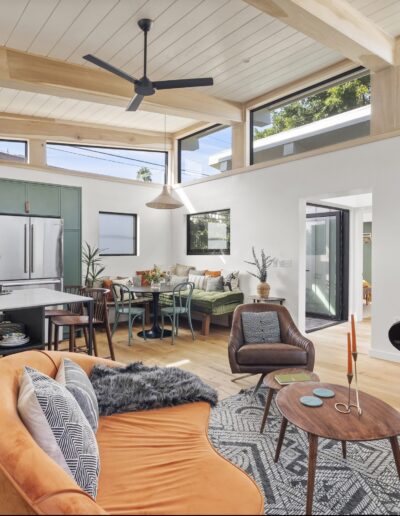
(36, 297)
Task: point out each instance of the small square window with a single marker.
(117, 234)
(209, 233)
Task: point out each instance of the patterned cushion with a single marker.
(231, 280)
(261, 327)
(199, 281)
(77, 382)
(215, 284)
(58, 425)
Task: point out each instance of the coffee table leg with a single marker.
(344, 449)
(280, 439)
(396, 452)
(312, 464)
(267, 407)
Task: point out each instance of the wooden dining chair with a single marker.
(81, 321)
(71, 309)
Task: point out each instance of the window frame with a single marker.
(134, 235)
(180, 140)
(304, 92)
(206, 252)
(14, 140)
(66, 144)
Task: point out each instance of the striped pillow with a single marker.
(199, 281)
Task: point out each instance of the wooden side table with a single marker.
(378, 421)
(275, 387)
(274, 300)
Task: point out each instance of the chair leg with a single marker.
(56, 332)
(130, 323)
(143, 326)
(72, 339)
(173, 328)
(110, 344)
(49, 334)
(95, 350)
(162, 326)
(177, 325)
(260, 381)
(86, 335)
(115, 323)
(190, 324)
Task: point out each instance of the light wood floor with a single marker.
(207, 357)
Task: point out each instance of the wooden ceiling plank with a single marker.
(337, 25)
(28, 72)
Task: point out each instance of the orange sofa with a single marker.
(152, 462)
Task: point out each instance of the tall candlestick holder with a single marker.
(345, 408)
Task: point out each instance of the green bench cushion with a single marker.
(215, 303)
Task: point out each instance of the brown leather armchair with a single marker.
(294, 350)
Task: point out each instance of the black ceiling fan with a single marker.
(144, 86)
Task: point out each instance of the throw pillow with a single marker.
(107, 283)
(145, 283)
(261, 327)
(196, 272)
(198, 281)
(215, 284)
(74, 378)
(58, 425)
(213, 274)
(183, 270)
(231, 281)
(175, 280)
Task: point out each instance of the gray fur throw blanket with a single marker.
(138, 387)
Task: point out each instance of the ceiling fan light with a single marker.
(165, 201)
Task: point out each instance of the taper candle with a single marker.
(353, 334)
(349, 355)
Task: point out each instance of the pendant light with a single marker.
(165, 201)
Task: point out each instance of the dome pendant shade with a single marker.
(165, 201)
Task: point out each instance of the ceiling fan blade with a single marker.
(110, 68)
(135, 103)
(183, 83)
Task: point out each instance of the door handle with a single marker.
(32, 248)
(25, 259)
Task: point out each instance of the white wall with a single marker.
(268, 208)
(100, 195)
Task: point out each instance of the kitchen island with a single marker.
(27, 306)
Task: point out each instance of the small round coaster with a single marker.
(311, 401)
(324, 393)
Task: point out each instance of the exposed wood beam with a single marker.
(305, 82)
(38, 74)
(337, 25)
(19, 126)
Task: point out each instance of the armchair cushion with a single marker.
(271, 354)
(261, 327)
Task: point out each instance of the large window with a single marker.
(141, 165)
(13, 150)
(205, 153)
(331, 112)
(117, 234)
(209, 233)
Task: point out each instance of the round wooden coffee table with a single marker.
(274, 386)
(378, 421)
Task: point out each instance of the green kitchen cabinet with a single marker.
(44, 200)
(12, 197)
(71, 207)
(72, 257)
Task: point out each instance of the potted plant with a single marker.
(262, 266)
(155, 277)
(91, 259)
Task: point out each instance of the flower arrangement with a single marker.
(155, 275)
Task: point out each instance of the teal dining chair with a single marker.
(181, 305)
(123, 306)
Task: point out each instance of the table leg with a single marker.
(155, 330)
(344, 449)
(267, 407)
(90, 328)
(312, 464)
(280, 439)
(396, 452)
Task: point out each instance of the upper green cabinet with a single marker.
(71, 207)
(44, 200)
(12, 197)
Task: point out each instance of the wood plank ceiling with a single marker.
(247, 52)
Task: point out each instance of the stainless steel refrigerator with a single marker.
(31, 252)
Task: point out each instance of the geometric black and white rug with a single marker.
(364, 483)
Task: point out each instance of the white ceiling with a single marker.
(246, 52)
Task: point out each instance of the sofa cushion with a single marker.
(261, 327)
(166, 465)
(217, 303)
(183, 270)
(58, 425)
(214, 284)
(198, 281)
(74, 378)
(271, 354)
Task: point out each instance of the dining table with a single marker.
(155, 331)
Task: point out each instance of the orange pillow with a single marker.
(145, 283)
(213, 274)
(107, 283)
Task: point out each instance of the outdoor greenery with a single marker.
(337, 99)
(209, 232)
(262, 265)
(92, 260)
(144, 174)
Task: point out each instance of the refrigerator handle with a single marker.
(32, 248)
(25, 249)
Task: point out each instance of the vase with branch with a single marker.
(262, 265)
(92, 260)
